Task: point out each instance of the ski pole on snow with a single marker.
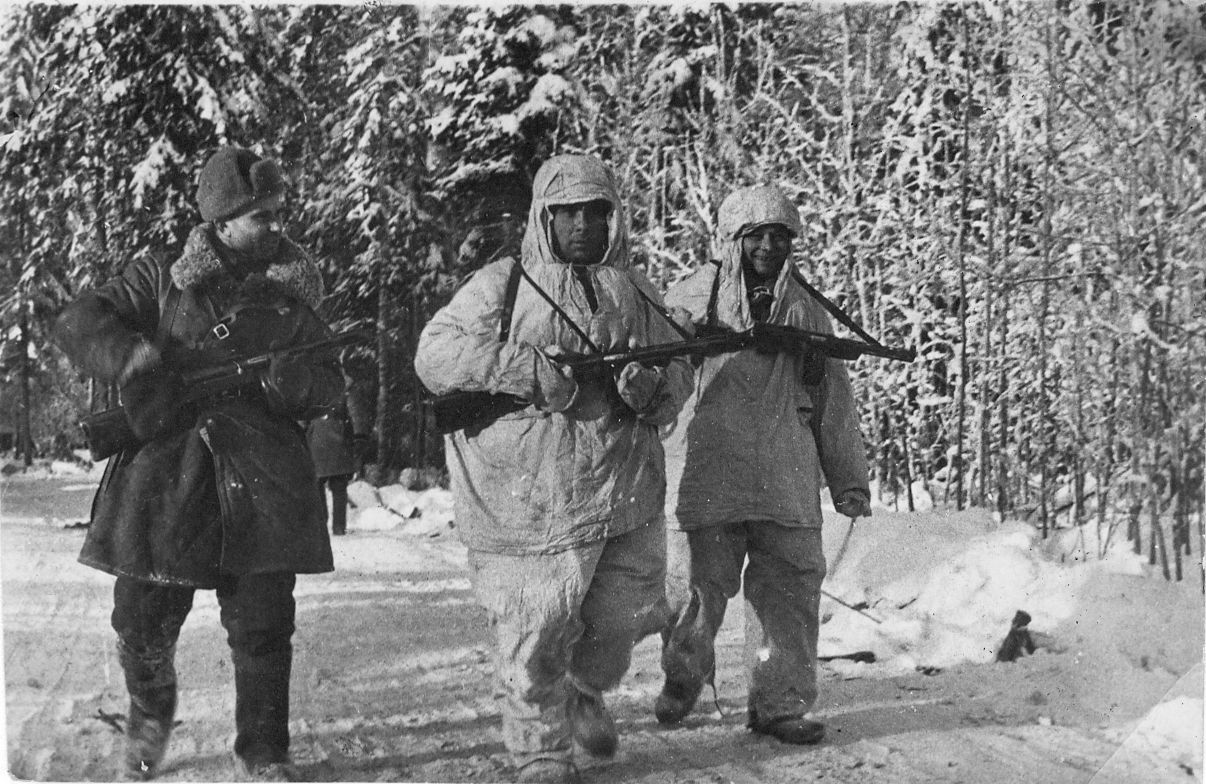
(838, 559)
(850, 606)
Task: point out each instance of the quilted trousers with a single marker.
(784, 567)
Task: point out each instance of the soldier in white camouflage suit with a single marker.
(745, 464)
(560, 503)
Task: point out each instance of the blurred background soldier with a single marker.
(338, 445)
(221, 493)
(560, 502)
(744, 466)
(495, 208)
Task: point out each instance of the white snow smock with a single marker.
(535, 481)
(754, 442)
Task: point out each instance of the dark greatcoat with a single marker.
(330, 440)
(232, 489)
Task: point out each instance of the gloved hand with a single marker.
(142, 358)
(556, 389)
(286, 383)
(640, 387)
(151, 401)
(854, 502)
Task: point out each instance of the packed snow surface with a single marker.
(1113, 692)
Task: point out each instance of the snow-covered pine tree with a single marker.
(500, 99)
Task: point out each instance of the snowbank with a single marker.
(944, 588)
(937, 589)
(1172, 730)
(414, 512)
(12, 467)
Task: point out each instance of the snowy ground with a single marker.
(392, 670)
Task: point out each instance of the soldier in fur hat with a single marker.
(221, 493)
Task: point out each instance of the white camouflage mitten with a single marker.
(682, 317)
(640, 387)
(556, 389)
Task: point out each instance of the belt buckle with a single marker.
(221, 331)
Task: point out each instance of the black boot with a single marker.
(688, 660)
(339, 504)
(788, 729)
(151, 682)
(262, 713)
(591, 724)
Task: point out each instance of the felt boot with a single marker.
(151, 682)
(591, 724)
(262, 710)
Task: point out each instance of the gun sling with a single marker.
(473, 410)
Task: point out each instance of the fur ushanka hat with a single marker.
(234, 180)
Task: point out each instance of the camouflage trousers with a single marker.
(784, 567)
(566, 621)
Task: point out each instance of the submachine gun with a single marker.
(108, 432)
(473, 410)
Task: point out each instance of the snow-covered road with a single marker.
(392, 672)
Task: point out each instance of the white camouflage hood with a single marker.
(572, 179)
(742, 210)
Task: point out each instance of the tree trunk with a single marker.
(1105, 471)
(384, 428)
(418, 429)
(1004, 497)
(1142, 383)
(1050, 160)
(1202, 542)
(1043, 415)
(983, 409)
(1158, 542)
(25, 446)
(961, 256)
(908, 469)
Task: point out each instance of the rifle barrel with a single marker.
(723, 342)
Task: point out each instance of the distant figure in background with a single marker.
(495, 215)
(494, 237)
(221, 493)
(329, 438)
(337, 444)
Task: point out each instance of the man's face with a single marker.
(257, 233)
(580, 231)
(765, 248)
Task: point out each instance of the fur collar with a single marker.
(292, 273)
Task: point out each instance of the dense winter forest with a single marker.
(1015, 189)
